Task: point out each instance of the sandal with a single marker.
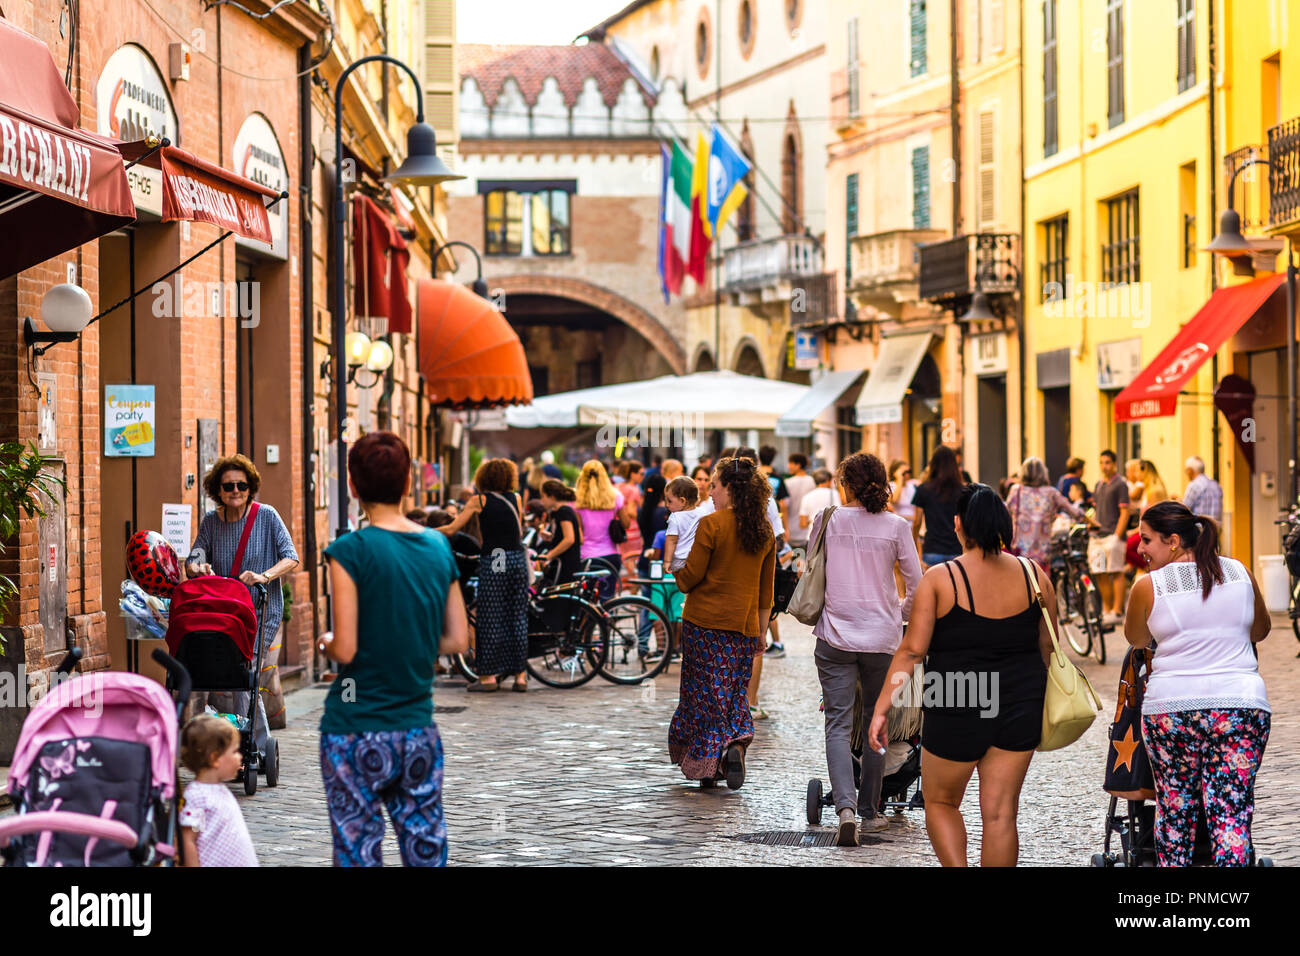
(757, 713)
(478, 687)
(519, 687)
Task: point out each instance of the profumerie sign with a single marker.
(256, 156)
(133, 103)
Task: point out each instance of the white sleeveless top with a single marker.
(1203, 658)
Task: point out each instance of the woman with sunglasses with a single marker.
(269, 554)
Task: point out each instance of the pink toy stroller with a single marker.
(94, 773)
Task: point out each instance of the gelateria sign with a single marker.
(257, 156)
(133, 104)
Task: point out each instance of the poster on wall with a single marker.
(176, 523)
(129, 421)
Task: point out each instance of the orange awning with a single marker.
(1154, 393)
(470, 357)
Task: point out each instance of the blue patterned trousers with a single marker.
(397, 770)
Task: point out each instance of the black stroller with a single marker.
(901, 787)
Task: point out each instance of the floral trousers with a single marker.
(1205, 758)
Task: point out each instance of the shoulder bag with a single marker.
(1070, 704)
(809, 596)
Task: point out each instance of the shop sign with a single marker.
(1118, 363)
(807, 350)
(176, 522)
(257, 156)
(133, 104)
(129, 421)
(990, 353)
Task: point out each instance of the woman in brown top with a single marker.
(728, 582)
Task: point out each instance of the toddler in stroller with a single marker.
(94, 772)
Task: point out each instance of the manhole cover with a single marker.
(440, 709)
(801, 838)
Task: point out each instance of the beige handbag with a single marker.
(810, 593)
(1070, 704)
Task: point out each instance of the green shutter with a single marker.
(850, 222)
(917, 16)
(921, 188)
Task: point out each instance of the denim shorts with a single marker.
(931, 558)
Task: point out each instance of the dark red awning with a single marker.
(379, 260)
(1154, 393)
(59, 186)
(199, 191)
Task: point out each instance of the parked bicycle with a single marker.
(1291, 550)
(573, 636)
(1078, 601)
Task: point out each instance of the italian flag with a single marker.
(676, 236)
(697, 264)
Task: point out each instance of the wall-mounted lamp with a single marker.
(65, 310)
(374, 357)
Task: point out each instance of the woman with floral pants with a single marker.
(1205, 716)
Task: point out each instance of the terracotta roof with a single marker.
(491, 65)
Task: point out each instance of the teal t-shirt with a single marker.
(402, 581)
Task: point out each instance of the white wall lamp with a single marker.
(66, 311)
(375, 357)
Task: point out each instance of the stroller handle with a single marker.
(70, 661)
(176, 671)
(62, 821)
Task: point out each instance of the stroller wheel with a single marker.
(814, 802)
(250, 780)
(271, 762)
(1098, 860)
(1264, 861)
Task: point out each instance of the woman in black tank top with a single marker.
(985, 676)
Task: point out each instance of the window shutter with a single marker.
(987, 168)
(997, 26)
(854, 94)
(921, 188)
(974, 14)
(918, 37)
(441, 86)
(850, 222)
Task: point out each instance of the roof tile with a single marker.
(492, 64)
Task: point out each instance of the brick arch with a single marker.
(748, 342)
(703, 352)
(579, 290)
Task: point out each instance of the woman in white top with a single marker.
(1205, 717)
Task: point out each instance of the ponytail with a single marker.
(1198, 533)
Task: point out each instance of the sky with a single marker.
(529, 21)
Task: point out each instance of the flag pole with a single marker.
(717, 263)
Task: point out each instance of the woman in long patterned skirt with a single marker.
(728, 581)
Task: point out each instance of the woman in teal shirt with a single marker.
(396, 607)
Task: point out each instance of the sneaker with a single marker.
(847, 835)
(654, 656)
(874, 824)
(1111, 619)
(775, 650)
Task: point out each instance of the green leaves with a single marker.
(23, 481)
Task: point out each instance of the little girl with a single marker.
(213, 832)
(681, 496)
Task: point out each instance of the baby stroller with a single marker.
(1129, 781)
(214, 633)
(94, 773)
(901, 787)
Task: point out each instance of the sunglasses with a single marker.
(232, 485)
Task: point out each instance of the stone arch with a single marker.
(625, 310)
(746, 356)
(703, 360)
(792, 175)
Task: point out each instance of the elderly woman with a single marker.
(241, 523)
(1034, 504)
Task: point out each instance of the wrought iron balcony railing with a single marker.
(814, 301)
(955, 269)
(1284, 176)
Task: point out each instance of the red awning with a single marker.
(59, 186)
(470, 357)
(1154, 393)
(199, 191)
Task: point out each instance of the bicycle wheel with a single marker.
(567, 641)
(640, 640)
(465, 661)
(1091, 604)
(1079, 630)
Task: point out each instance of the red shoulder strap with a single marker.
(238, 563)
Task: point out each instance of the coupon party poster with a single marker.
(128, 421)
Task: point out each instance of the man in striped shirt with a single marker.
(1204, 495)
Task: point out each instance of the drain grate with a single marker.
(440, 709)
(800, 838)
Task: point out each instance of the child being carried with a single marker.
(682, 498)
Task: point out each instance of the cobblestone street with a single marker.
(582, 777)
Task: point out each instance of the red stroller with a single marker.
(213, 631)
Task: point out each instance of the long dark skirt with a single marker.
(501, 643)
(713, 712)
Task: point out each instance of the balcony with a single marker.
(1250, 196)
(818, 306)
(769, 270)
(955, 269)
(1284, 178)
(886, 266)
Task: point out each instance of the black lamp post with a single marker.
(422, 167)
(479, 286)
(1231, 244)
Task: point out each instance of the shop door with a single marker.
(1267, 500)
(991, 400)
(1056, 430)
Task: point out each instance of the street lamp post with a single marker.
(1231, 244)
(479, 286)
(422, 167)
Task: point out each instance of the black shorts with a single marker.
(965, 735)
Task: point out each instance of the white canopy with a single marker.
(704, 400)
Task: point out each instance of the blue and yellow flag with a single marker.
(727, 171)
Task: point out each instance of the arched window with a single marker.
(654, 64)
(791, 207)
(746, 228)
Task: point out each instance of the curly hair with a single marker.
(594, 492)
(864, 476)
(749, 492)
(497, 474)
(236, 462)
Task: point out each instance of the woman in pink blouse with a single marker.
(861, 625)
(1034, 505)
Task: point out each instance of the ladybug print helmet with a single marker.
(153, 563)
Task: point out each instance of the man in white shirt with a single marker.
(815, 501)
(798, 484)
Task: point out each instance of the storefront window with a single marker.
(550, 223)
(504, 223)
